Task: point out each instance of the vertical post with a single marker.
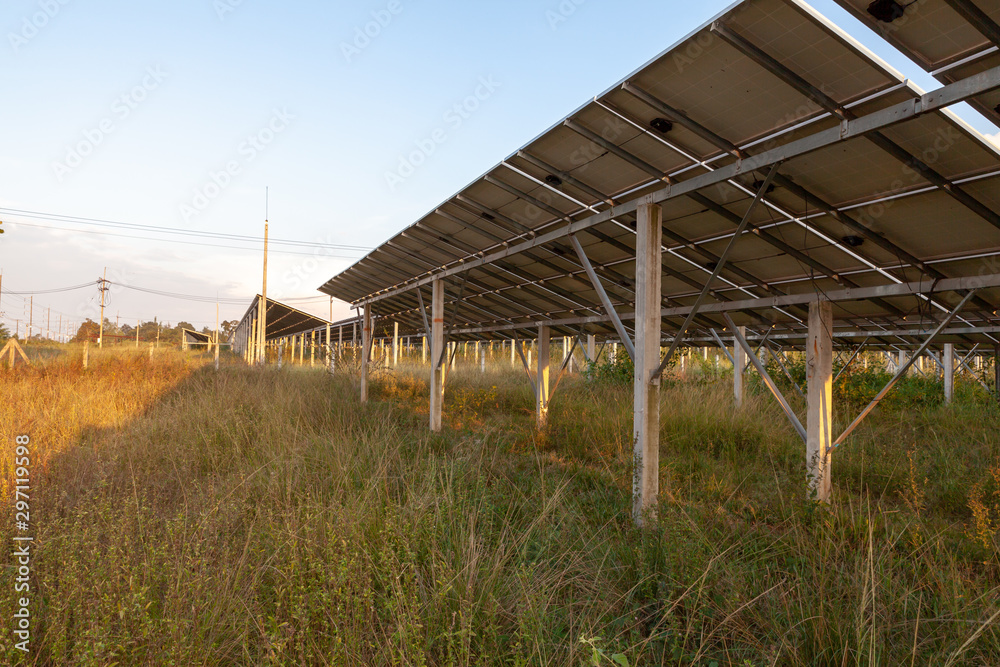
(395, 343)
(512, 351)
(423, 349)
(646, 406)
(437, 350)
(591, 348)
(262, 336)
(329, 350)
(819, 416)
(100, 340)
(366, 346)
(739, 362)
(996, 372)
(949, 372)
(86, 354)
(312, 349)
(542, 378)
(302, 349)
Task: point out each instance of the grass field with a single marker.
(184, 516)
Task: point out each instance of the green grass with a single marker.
(188, 517)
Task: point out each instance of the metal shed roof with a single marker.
(855, 204)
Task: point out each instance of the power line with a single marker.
(56, 217)
(50, 291)
(152, 238)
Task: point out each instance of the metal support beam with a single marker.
(850, 360)
(928, 103)
(781, 365)
(903, 368)
(819, 398)
(608, 307)
(646, 408)
(722, 346)
(438, 371)
(767, 378)
(716, 271)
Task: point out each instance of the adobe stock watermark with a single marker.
(225, 7)
(364, 34)
(121, 108)
(302, 273)
(563, 11)
(246, 152)
(453, 119)
(31, 26)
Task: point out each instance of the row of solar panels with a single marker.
(916, 200)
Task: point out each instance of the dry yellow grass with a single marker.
(188, 517)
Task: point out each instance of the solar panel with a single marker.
(916, 199)
(953, 39)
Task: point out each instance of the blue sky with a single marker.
(187, 110)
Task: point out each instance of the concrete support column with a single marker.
(312, 349)
(437, 348)
(423, 350)
(996, 372)
(949, 372)
(739, 363)
(329, 349)
(395, 343)
(591, 348)
(819, 415)
(542, 378)
(512, 352)
(646, 407)
(366, 347)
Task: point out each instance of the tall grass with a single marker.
(191, 517)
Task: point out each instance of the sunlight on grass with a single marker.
(265, 516)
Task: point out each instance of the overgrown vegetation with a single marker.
(258, 516)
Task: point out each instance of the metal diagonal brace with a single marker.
(788, 375)
(716, 271)
(423, 312)
(767, 378)
(562, 370)
(852, 358)
(978, 379)
(451, 325)
(605, 300)
(520, 352)
(902, 370)
(722, 346)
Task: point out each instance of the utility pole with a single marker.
(103, 289)
(262, 337)
(216, 335)
(157, 335)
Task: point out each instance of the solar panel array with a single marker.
(917, 200)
